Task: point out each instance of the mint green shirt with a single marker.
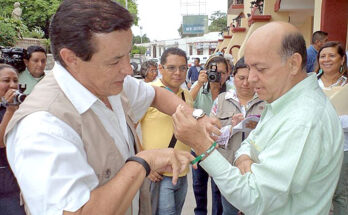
(205, 101)
(26, 78)
(298, 149)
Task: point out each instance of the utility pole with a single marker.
(126, 4)
(141, 34)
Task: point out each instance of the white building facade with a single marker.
(193, 46)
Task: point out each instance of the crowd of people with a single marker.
(91, 139)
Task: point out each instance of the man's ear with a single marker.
(294, 63)
(26, 62)
(69, 57)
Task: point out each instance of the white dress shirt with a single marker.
(48, 157)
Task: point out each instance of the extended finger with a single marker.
(157, 175)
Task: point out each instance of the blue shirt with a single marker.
(193, 74)
(311, 58)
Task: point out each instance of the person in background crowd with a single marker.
(203, 94)
(149, 71)
(157, 131)
(235, 105)
(290, 163)
(318, 39)
(192, 75)
(72, 144)
(230, 60)
(331, 67)
(332, 72)
(35, 62)
(9, 189)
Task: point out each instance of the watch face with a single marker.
(197, 113)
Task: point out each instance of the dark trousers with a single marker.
(200, 187)
(9, 193)
(9, 189)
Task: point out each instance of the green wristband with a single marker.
(204, 154)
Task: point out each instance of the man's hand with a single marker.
(243, 163)
(154, 176)
(198, 134)
(167, 160)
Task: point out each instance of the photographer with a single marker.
(35, 62)
(211, 82)
(9, 190)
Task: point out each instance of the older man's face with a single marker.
(268, 73)
(103, 75)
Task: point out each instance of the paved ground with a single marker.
(190, 202)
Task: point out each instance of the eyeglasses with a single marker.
(174, 68)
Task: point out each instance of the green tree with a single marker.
(132, 8)
(218, 21)
(34, 13)
(138, 50)
(137, 39)
(37, 13)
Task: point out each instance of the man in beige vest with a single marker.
(69, 141)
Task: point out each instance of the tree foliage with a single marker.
(37, 13)
(218, 21)
(132, 8)
(138, 39)
(11, 30)
(34, 13)
(138, 50)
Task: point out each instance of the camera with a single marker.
(213, 74)
(19, 94)
(14, 57)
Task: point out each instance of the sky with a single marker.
(160, 19)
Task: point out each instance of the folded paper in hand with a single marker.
(241, 127)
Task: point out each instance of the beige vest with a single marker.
(226, 109)
(102, 153)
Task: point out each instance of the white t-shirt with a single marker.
(54, 178)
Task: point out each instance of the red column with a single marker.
(334, 15)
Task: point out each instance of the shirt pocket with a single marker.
(225, 118)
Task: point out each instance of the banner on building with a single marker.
(195, 24)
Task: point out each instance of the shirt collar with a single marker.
(232, 94)
(80, 97)
(308, 83)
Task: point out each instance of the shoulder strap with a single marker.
(173, 140)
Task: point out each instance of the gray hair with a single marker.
(145, 66)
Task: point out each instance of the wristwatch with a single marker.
(198, 113)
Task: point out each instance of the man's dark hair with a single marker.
(239, 65)
(197, 58)
(318, 35)
(76, 21)
(32, 49)
(145, 66)
(294, 43)
(172, 51)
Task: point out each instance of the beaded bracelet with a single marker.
(204, 154)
